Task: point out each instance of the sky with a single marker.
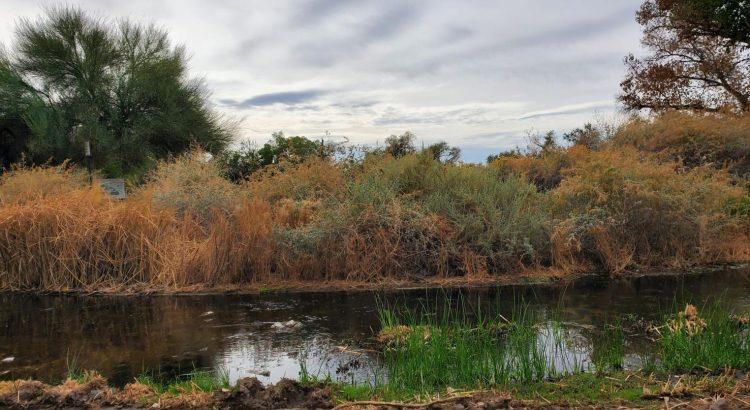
(479, 74)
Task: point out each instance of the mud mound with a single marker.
(71, 394)
(75, 394)
(251, 394)
(21, 391)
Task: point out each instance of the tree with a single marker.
(541, 144)
(291, 149)
(239, 164)
(441, 151)
(400, 145)
(124, 87)
(588, 136)
(699, 57)
(722, 18)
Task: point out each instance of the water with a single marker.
(124, 336)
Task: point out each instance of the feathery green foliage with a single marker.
(73, 77)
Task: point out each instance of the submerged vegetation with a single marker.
(631, 202)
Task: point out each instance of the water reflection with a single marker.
(126, 336)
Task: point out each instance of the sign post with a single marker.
(89, 165)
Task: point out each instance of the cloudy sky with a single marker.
(478, 74)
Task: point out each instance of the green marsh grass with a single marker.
(461, 348)
(201, 380)
(433, 348)
(198, 380)
(723, 342)
(608, 349)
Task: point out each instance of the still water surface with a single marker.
(124, 336)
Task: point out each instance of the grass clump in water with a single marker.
(712, 341)
(433, 352)
(608, 352)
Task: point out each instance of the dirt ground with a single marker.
(95, 393)
(287, 394)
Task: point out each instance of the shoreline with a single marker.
(631, 389)
(532, 278)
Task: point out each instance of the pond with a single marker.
(271, 336)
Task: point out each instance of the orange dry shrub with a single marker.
(622, 209)
(23, 183)
(404, 244)
(314, 179)
(235, 249)
(692, 139)
(87, 241)
(297, 191)
(81, 240)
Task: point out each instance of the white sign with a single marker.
(115, 187)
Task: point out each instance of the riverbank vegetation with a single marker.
(631, 200)
(667, 189)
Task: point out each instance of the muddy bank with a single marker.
(527, 278)
(249, 393)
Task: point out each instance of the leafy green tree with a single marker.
(241, 163)
(721, 18)
(291, 149)
(73, 78)
(238, 164)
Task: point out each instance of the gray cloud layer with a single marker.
(478, 73)
(285, 97)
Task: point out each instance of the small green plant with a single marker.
(200, 381)
(608, 350)
(73, 371)
(356, 392)
(458, 348)
(148, 380)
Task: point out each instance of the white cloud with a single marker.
(474, 72)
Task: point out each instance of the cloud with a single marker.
(568, 33)
(348, 41)
(476, 73)
(284, 97)
(588, 107)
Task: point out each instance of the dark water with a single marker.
(124, 336)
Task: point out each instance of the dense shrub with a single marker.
(693, 139)
(379, 218)
(544, 170)
(22, 183)
(192, 185)
(314, 179)
(622, 209)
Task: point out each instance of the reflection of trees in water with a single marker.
(124, 336)
(120, 336)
